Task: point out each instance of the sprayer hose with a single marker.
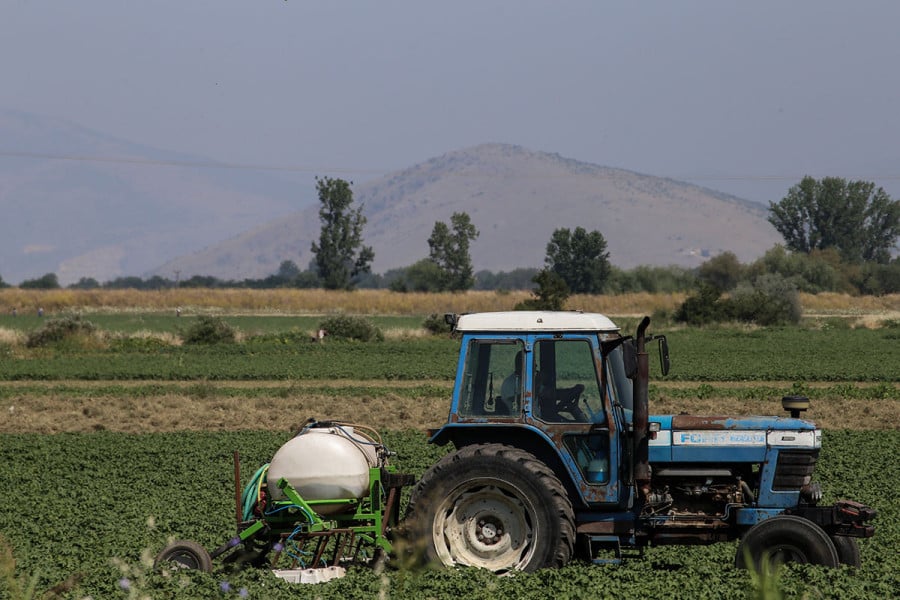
(253, 492)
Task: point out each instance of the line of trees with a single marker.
(839, 236)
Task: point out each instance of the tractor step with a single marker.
(609, 544)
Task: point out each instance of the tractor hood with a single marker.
(689, 438)
(676, 422)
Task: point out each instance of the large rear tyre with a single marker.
(491, 506)
(847, 549)
(184, 554)
(786, 538)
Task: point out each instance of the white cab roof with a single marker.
(521, 320)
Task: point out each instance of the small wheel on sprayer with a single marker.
(184, 554)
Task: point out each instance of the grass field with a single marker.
(143, 428)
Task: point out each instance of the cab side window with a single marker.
(493, 378)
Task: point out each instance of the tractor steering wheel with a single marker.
(570, 404)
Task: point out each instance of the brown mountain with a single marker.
(516, 198)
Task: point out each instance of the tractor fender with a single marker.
(527, 438)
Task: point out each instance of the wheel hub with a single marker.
(485, 525)
(489, 530)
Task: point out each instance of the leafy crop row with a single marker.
(787, 353)
(422, 359)
(207, 389)
(697, 355)
(93, 503)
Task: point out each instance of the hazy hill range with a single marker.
(79, 203)
(516, 197)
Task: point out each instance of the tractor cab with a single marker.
(559, 384)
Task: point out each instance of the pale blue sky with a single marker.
(743, 97)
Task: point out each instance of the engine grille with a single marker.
(794, 469)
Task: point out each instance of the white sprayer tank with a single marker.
(328, 463)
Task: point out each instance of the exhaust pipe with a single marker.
(641, 406)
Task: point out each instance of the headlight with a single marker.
(811, 492)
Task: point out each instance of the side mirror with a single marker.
(663, 354)
(629, 359)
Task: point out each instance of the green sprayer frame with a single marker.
(292, 526)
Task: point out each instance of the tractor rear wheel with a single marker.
(184, 554)
(786, 538)
(491, 506)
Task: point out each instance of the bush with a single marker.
(436, 324)
(209, 330)
(879, 279)
(702, 307)
(818, 271)
(771, 300)
(59, 330)
(723, 272)
(345, 327)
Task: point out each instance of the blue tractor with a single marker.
(557, 454)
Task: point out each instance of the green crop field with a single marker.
(271, 360)
(716, 354)
(85, 508)
(90, 505)
(159, 322)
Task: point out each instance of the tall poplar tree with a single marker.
(340, 254)
(449, 250)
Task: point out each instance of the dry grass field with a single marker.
(383, 302)
(386, 405)
(299, 302)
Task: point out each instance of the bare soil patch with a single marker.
(26, 411)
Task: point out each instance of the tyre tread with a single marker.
(772, 530)
(565, 514)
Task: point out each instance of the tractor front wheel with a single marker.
(786, 538)
(847, 549)
(184, 554)
(492, 506)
